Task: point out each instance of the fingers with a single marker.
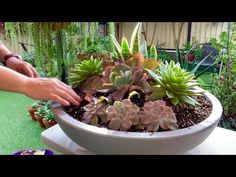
(60, 100)
(53, 89)
(64, 95)
(36, 74)
(62, 83)
(27, 70)
(69, 90)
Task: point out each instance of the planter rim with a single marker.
(211, 120)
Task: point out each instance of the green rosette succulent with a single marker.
(175, 83)
(84, 70)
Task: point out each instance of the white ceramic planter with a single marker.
(104, 141)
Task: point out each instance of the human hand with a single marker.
(51, 89)
(21, 67)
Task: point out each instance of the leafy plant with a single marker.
(151, 53)
(175, 83)
(29, 57)
(224, 83)
(164, 56)
(84, 70)
(125, 49)
(182, 59)
(193, 48)
(111, 30)
(41, 111)
(50, 116)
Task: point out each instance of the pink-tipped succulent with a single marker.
(94, 111)
(156, 114)
(122, 115)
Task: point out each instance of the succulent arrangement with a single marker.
(128, 95)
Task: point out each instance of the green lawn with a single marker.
(18, 131)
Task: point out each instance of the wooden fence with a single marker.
(161, 32)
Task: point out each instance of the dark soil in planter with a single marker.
(186, 115)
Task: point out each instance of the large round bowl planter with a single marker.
(104, 141)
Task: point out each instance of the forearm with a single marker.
(12, 81)
(38, 88)
(3, 51)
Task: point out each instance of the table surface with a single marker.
(220, 142)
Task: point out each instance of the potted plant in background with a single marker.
(128, 108)
(40, 114)
(32, 109)
(195, 53)
(49, 119)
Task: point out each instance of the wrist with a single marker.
(26, 85)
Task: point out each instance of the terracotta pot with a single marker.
(40, 121)
(48, 123)
(191, 57)
(105, 141)
(32, 113)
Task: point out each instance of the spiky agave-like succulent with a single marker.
(84, 70)
(175, 83)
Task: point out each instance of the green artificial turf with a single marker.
(18, 131)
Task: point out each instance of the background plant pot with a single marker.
(48, 123)
(40, 121)
(32, 113)
(191, 57)
(104, 141)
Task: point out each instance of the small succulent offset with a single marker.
(122, 115)
(121, 75)
(175, 83)
(84, 70)
(156, 114)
